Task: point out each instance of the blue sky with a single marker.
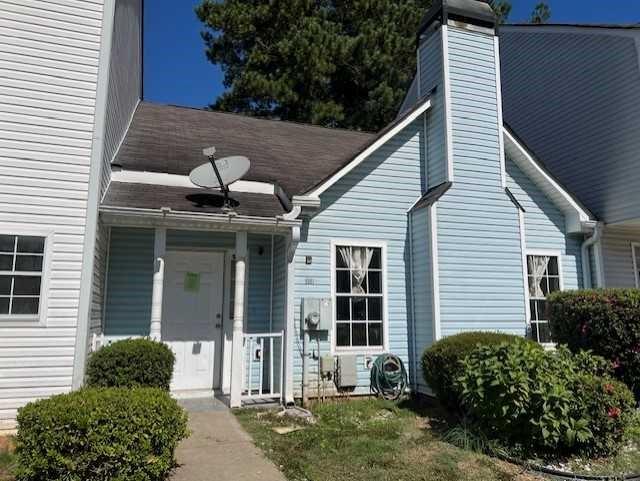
(177, 71)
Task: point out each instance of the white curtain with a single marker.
(358, 260)
(537, 267)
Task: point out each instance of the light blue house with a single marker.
(441, 223)
(339, 245)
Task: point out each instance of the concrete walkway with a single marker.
(218, 448)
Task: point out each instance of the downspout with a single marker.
(586, 265)
(290, 313)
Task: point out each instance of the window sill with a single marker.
(357, 351)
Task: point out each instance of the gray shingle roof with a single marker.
(572, 94)
(146, 196)
(164, 138)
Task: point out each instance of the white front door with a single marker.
(192, 317)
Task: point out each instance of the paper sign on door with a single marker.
(192, 281)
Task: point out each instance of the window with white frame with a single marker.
(21, 267)
(635, 249)
(544, 278)
(359, 296)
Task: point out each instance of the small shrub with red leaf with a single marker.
(604, 321)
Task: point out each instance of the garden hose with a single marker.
(388, 377)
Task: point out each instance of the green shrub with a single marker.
(131, 363)
(98, 435)
(545, 400)
(606, 322)
(609, 406)
(441, 362)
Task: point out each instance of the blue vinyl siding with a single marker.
(545, 225)
(129, 282)
(423, 327)
(130, 277)
(370, 203)
(279, 284)
(259, 291)
(431, 76)
(479, 251)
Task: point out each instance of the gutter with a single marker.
(166, 213)
(586, 265)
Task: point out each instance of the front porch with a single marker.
(216, 295)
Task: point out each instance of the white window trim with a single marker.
(542, 252)
(364, 350)
(635, 246)
(27, 320)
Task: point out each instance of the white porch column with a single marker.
(290, 331)
(238, 321)
(159, 248)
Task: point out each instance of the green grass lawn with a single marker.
(6, 463)
(367, 440)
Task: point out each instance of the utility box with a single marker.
(327, 366)
(347, 372)
(316, 314)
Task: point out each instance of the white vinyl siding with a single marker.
(617, 255)
(49, 55)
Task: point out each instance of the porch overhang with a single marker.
(169, 218)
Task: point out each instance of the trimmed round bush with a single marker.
(441, 362)
(605, 321)
(545, 400)
(131, 363)
(608, 404)
(100, 434)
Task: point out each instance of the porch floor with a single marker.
(219, 448)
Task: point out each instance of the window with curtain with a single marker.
(544, 278)
(359, 297)
(21, 264)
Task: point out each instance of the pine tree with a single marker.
(342, 63)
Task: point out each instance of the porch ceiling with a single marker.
(147, 196)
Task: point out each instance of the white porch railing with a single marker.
(101, 340)
(263, 363)
(263, 366)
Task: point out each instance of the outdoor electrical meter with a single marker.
(316, 314)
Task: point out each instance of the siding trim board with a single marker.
(503, 168)
(446, 83)
(435, 271)
(93, 201)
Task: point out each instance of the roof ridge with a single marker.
(575, 25)
(237, 114)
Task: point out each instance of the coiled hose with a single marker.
(388, 377)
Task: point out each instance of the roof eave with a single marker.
(575, 213)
